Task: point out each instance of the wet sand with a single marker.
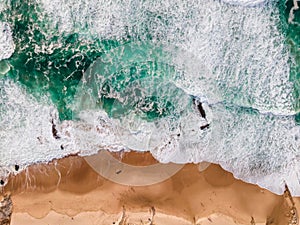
(69, 191)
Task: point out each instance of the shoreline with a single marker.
(69, 188)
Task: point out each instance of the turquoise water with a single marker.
(44, 72)
(189, 81)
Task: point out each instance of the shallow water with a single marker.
(189, 81)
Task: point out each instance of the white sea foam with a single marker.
(245, 2)
(252, 145)
(294, 8)
(246, 57)
(26, 129)
(88, 18)
(7, 45)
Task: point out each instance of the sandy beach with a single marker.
(69, 191)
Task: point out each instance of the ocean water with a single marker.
(190, 81)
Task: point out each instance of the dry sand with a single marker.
(69, 191)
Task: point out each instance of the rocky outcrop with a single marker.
(5, 210)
